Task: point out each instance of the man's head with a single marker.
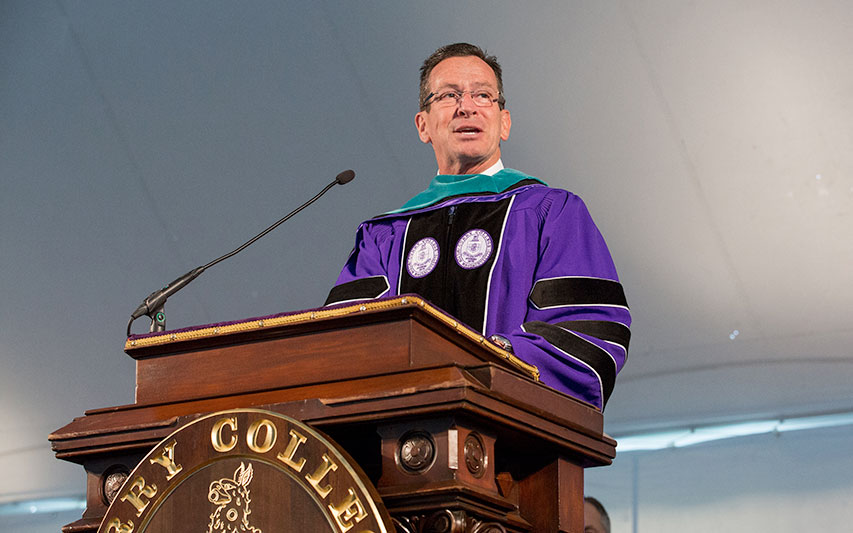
(462, 108)
(595, 516)
(458, 50)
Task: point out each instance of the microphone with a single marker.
(153, 305)
(345, 177)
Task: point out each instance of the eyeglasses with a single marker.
(480, 97)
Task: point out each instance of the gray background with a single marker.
(710, 140)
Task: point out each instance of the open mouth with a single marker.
(467, 130)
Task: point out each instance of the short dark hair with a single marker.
(605, 518)
(458, 50)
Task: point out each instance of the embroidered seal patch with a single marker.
(473, 249)
(422, 257)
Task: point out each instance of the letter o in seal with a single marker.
(473, 249)
(422, 257)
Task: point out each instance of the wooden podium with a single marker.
(455, 434)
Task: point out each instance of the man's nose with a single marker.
(466, 103)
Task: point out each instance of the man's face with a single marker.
(592, 519)
(466, 138)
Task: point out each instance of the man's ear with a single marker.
(421, 125)
(506, 124)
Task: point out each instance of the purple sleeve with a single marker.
(366, 274)
(576, 329)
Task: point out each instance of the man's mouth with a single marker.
(467, 130)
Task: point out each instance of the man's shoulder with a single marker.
(537, 192)
(522, 178)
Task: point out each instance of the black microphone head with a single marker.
(345, 177)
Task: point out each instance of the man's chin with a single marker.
(473, 153)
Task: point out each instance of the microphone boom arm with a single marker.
(154, 305)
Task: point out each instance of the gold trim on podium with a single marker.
(320, 314)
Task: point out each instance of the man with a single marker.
(595, 517)
(498, 249)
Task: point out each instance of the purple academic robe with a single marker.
(523, 261)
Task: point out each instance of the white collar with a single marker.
(494, 169)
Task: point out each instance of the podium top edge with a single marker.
(137, 343)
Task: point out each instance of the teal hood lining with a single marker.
(445, 186)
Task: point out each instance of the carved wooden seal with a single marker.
(246, 470)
